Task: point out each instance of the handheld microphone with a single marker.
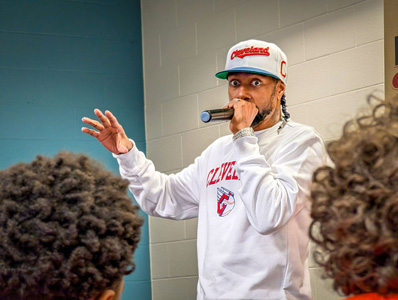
(217, 114)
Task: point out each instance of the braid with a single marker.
(285, 113)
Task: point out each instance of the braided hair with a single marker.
(285, 113)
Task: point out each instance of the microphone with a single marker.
(217, 114)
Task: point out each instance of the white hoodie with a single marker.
(250, 197)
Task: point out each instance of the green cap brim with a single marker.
(224, 74)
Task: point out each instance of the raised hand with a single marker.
(244, 114)
(110, 133)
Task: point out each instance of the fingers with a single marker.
(231, 103)
(104, 120)
(107, 121)
(235, 103)
(112, 119)
(90, 132)
(245, 112)
(97, 125)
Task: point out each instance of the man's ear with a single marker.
(107, 295)
(281, 88)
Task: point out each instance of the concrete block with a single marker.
(322, 289)
(165, 230)
(142, 263)
(191, 228)
(212, 33)
(75, 88)
(191, 11)
(134, 288)
(329, 115)
(179, 44)
(221, 58)
(357, 68)
(197, 74)
(256, 17)
(10, 86)
(171, 289)
(21, 51)
(224, 129)
(308, 81)
(154, 121)
(158, 17)
(157, 88)
(292, 11)
(151, 52)
(165, 153)
(180, 115)
(220, 5)
(183, 259)
(337, 4)
(212, 99)
(194, 142)
(121, 89)
(159, 261)
(192, 287)
(298, 113)
(369, 21)
(290, 40)
(329, 33)
(28, 121)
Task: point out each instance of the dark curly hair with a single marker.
(355, 205)
(68, 229)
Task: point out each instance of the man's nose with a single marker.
(243, 93)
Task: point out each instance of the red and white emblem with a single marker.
(225, 201)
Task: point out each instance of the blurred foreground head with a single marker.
(68, 229)
(355, 205)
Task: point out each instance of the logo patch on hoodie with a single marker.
(225, 201)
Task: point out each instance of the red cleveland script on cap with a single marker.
(250, 51)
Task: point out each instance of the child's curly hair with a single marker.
(68, 229)
(355, 205)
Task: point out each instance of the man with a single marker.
(68, 230)
(249, 190)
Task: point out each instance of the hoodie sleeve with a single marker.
(273, 194)
(172, 196)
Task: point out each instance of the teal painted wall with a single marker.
(60, 59)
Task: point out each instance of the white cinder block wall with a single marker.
(335, 55)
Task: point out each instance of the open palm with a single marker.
(110, 133)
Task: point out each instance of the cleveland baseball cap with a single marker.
(258, 57)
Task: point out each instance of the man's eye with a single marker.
(234, 83)
(256, 82)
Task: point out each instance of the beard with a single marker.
(261, 115)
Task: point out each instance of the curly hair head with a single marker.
(68, 229)
(355, 205)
